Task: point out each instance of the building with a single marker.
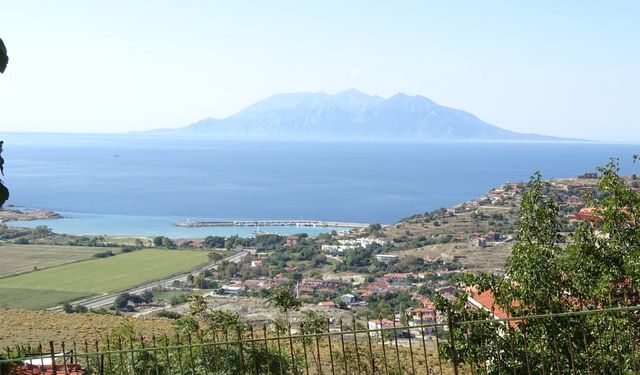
(386, 258)
(292, 240)
(348, 299)
(233, 289)
(379, 324)
(486, 301)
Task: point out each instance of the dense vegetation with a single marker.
(551, 273)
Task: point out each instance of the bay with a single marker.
(126, 184)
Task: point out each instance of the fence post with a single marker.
(454, 355)
(53, 356)
(239, 337)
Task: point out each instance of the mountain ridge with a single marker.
(351, 114)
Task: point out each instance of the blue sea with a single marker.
(134, 185)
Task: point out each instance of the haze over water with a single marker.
(132, 185)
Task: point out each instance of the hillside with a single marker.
(350, 114)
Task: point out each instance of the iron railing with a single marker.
(577, 342)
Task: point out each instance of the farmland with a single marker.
(35, 299)
(106, 275)
(25, 258)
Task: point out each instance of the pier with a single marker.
(271, 223)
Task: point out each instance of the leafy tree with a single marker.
(121, 301)
(214, 242)
(157, 241)
(66, 307)
(373, 229)
(214, 256)
(284, 299)
(147, 296)
(596, 267)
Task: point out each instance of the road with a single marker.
(96, 302)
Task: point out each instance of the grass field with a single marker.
(109, 274)
(23, 258)
(35, 299)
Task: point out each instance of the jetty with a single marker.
(271, 223)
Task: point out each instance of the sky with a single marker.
(563, 68)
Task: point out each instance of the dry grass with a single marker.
(468, 256)
(22, 327)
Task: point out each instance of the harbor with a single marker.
(271, 223)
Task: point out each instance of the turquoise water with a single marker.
(134, 185)
(81, 224)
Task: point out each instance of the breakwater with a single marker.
(271, 223)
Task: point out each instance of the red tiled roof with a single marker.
(27, 369)
(587, 214)
(487, 301)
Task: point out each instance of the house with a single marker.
(486, 301)
(233, 289)
(348, 299)
(292, 240)
(379, 325)
(256, 263)
(422, 316)
(257, 284)
(386, 258)
(44, 365)
(31, 369)
(588, 214)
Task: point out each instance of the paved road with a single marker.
(108, 299)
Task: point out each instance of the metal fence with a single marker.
(577, 342)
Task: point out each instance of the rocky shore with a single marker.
(14, 214)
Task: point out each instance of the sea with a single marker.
(139, 185)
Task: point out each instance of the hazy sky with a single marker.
(565, 68)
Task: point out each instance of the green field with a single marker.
(35, 299)
(24, 258)
(109, 274)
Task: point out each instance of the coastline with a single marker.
(12, 213)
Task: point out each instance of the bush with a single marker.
(104, 254)
(168, 314)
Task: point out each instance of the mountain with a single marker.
(350, 114)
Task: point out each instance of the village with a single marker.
(370, 273)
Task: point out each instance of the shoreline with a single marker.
(271, 223)
(13, 213)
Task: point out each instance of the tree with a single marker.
(284, 299)
(121, 301)
(166, 242)
(214, 256)
(318, 260)
(157, 241)
(596, 267)
(147, 296)
(214, 242)
(67, 308)
(373, 229)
